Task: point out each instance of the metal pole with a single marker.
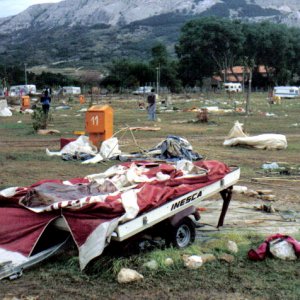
(249, 92)
(158, 92)
(157, 79)
(25, 65)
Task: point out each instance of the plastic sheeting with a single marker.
(4, 110)
(84, 149)
(91, 208)
(269, 141)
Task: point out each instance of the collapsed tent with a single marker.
(92, 207)
(173, 148)
(270, 141)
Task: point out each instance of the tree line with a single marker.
(206, 47)
(15, 75)
(210, 46)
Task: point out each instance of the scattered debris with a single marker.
(283, 247)
(63, 107)
(142, 128)
(27, 111)
(267, 197)
(281, 168)
(266, 208)
(251, 193)
(239, 189)
(4, 110)
(48, 131)
(271, 141)
(270, 115)
(81, 145)
(270, 166)
(264, 192)
(202, 116)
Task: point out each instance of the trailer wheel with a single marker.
(182, 235)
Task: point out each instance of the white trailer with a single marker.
(286, 91)
(173, 221)
(71, 90)
(233, 87)
(21, 90)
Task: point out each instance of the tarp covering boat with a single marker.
(94, 206)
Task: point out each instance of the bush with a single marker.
(39, 119)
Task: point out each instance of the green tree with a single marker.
(127, 74)
(271, 45)
(208, 45)
(167, 69)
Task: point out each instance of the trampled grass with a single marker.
(23, 161)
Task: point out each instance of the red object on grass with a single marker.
(65, 141)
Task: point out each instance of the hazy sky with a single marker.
(13, 7)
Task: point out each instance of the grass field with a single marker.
(23, 161)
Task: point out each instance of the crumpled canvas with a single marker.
(269, 141)
(85, 150)
(81, 145)
(94, 206)
(264, 249)
(4, 110)
(176, 148)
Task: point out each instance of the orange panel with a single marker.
(81, 99)
(25, 102)
(99, 123)
(94, 121)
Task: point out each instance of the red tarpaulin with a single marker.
(92, 210)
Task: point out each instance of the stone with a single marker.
(227, 257)
(128, 275)
(232, 247)
(152, 265)
(208, 257)
(193, 262)
(169, 261)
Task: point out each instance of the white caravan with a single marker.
(21, 90)
(286, 91)
(233, 87)
(71, 90)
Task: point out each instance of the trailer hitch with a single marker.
(226, 196)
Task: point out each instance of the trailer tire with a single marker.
(182, 234)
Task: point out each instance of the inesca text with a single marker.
(186, 200)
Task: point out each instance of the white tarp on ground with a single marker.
(82, 144)
(267, 141)
(4, 110)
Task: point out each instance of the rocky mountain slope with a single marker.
(94, 31)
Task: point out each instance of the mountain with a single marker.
(92, 32)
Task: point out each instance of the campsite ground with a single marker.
(23, 161)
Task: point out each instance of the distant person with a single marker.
(48, 89)
(45, 100)
(151, 100)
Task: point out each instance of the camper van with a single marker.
(286, 91)
(233, 87)
(142, 90)
(19, 90)
(71, 90)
